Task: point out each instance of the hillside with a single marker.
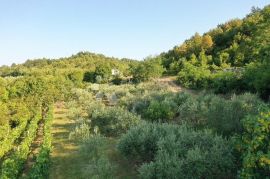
(233, 57)
(200, 110)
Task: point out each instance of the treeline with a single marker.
(88, 67)
(233, 57)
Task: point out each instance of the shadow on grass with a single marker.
(69, 162)
(68, 166)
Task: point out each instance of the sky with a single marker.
(135, 29)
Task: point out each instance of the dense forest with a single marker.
(200, 110)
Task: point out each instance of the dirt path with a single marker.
(170, 81)
(66, 162)
(173, 86)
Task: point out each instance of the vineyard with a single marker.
(26, 117)
(15, 158)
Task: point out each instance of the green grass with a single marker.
(67, 160)
(124, 168)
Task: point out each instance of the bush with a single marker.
(113, 121)
(89, 76)
(255, 146)
(93, 149)
(194, 77)
(224, 82)
(225, 116)
(150, 68)
(76, 77)
(102, 73)
(163, 111)
(220, 114)
(188, 109)
(170, 151)
(140, 142)
(257, 78)
(81, 133)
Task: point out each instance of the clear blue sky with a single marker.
(120, 28)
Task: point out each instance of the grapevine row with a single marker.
(13, 165)
(8, 142)
(41, 167)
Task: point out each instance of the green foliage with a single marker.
(140, 142)
(81, 133)
(3, 89)
(209, 61)
(154, 105)
(89, 77)
(222, 82)
(189, 109)
(234, 57)
(178, 151)
(8, 142)
(113, 121)
(15, 116)
(257, 77)
(3, 113)
(255, 146)
(12, 166)
(193, 76)
(163, 111)
(76, 77)
(99, 165)
(225, 116)
(41, 166)
(150, 68)
(103, 71)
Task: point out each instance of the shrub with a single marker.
(102, 73)
(93, 149)
(188, 109)
(89, 76)
(194, 77)
(76, 77)
(81, 133)
(225, 115)
(140, 142)
(257, 78)
(150, 68)
(113, 121)
(224, 82)
(170, 151)
(160, 111)
(255, 146)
